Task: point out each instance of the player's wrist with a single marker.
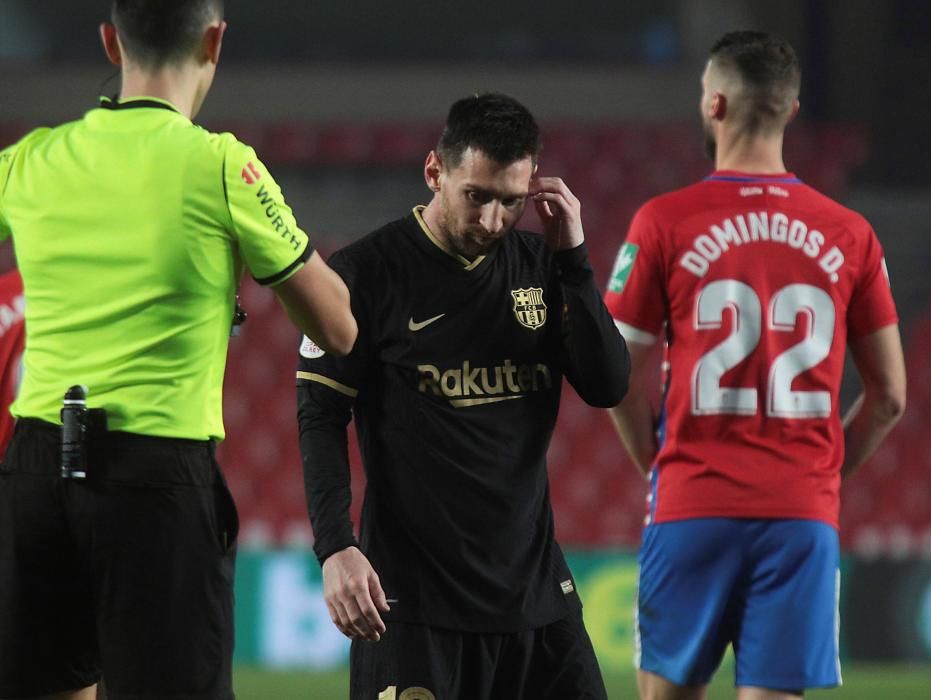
(572, 261)
(328, 550)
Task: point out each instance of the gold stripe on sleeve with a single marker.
(326, 381)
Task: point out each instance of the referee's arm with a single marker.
(280, 255)
(317, 302)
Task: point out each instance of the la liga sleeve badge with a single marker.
(310, 349)
(623, 264)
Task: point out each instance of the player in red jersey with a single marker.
(758, 284)
(12, 335)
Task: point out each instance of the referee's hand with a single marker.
(354, 595)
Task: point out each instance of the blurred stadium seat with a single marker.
(886, 506)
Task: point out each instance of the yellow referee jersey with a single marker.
(131, 228)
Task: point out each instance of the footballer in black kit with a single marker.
(454, 383)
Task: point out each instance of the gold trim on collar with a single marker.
(326, 381)
(467, 264)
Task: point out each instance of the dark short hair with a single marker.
(498, 125)
(155, 33)
(768, 68)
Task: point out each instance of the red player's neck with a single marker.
(759, 155)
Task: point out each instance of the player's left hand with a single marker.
(559, 210)
(354, 595)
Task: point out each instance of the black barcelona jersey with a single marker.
(454, 383)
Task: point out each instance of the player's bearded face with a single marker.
(480, 201)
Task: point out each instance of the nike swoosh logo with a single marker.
(418, 325)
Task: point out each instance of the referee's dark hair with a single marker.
(769, 72)
(496, 124)
(155, 33)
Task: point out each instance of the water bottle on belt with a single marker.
(74, 434)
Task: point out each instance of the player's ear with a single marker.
(794, 111)
(213, 41)
(432, 170)
(111, 43)
(717, 109)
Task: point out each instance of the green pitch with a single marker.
(861, 682)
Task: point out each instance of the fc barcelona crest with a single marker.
(529, 307)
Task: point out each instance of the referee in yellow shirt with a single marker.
(132, 228)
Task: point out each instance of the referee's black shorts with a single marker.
(128, 573)
(417, 662)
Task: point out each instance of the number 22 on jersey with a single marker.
(710, 398)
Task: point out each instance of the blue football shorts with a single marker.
(768, 587)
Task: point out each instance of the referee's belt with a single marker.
(114, 455)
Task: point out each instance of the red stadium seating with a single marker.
(887, 504)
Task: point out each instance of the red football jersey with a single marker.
(758, 281)
(12, 335)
